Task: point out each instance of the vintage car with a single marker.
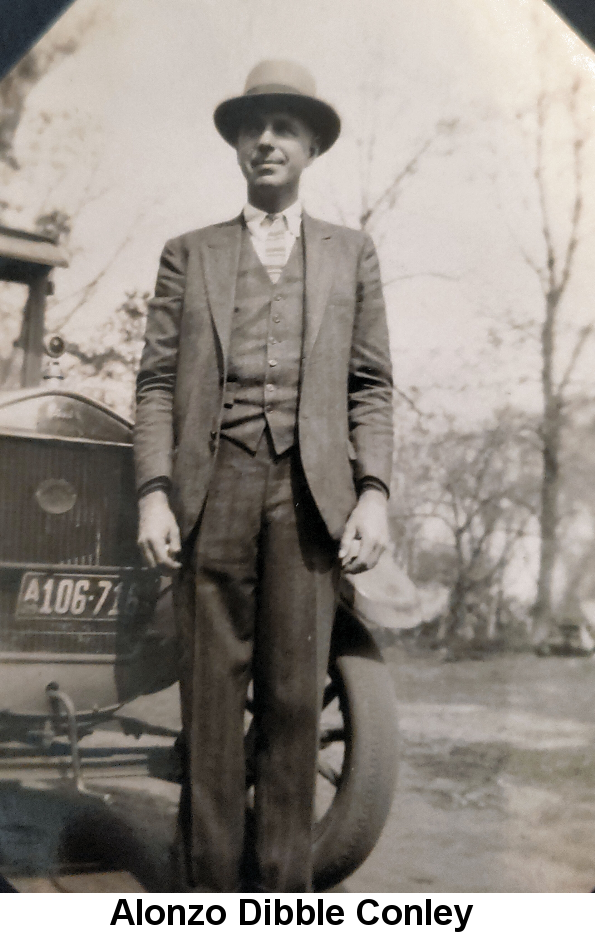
(85, 627)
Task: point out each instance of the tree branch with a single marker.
(97, 360)
(85, 293)
(541, 196)
(388, 195)
(582, 338)
(422, 274)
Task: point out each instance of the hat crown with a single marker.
(281, 72)
(279, 84)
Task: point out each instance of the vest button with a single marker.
(278, 298)
(276, 318)
(270, 387)
(268, 408)
(272, 363)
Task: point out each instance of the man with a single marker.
(263, 448)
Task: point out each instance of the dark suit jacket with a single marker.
(345, 409)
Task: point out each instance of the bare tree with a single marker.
(16, 86)
(104, 362)
(107, 363)
(473, 494)
(554, 271)
(375, 208)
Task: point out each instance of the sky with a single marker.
(120, 135)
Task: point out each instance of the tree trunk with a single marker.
(456, 615)
(543, 616)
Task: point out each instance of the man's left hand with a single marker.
(366, 533)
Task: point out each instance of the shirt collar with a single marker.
(292, 215)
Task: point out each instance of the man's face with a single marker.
(273, 148)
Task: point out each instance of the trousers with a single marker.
(255, 601)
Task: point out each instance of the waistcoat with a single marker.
(265, 351)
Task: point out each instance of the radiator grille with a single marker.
(99, 530)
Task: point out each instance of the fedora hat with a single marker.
(274, 84)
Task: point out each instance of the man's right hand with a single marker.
(158, 532)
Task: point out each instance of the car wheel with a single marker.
(357, 756)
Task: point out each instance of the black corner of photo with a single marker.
(23, 23)
(5, 886)
(580, 15)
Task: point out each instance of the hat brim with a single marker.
(322, 118)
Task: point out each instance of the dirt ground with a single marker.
(496, 789)
(497, 781)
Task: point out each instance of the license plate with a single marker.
(65, 596)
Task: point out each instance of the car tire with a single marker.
(360, 683)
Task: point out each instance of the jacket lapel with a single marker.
(221, 256)
(318, 245)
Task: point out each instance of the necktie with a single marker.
(275, 246)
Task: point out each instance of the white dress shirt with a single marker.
(258, 228)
